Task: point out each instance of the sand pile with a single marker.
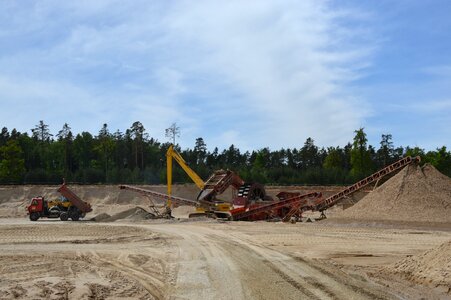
(431, 268)
(183, 211)
(414, 194)
(133, 214)
(100, 217)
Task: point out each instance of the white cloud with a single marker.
(251, 73)
(290, 60)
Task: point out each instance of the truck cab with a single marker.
(36, 207)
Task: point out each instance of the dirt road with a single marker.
(213, 264)
(193, 260)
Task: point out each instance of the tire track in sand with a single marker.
(231, 266)
(154, 286)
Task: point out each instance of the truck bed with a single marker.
(83, 206)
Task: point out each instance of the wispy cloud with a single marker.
(290, 63)
(252, 73)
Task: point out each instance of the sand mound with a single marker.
(183, 211)
(135, 214)
(432, 268)
(414, 194)
(101, 217)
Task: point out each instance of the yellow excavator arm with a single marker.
(172, 153)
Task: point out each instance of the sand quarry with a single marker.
(393, 242)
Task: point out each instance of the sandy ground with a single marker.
(129, 256)
(207, 259)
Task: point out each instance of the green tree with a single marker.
(261, 158)
(121, 150)
(83, 150)
(105, 147)
(334, 159)
(4, 136)
(416, 151)
(28, 146)
(360, 156)
(200, 151)
(212, 158)
(41, 132)
(258, 170)
(441, 159)
(65, 137)
(138, 134)
(232, 157)
(134, 157)
(309, 155)
(334, 170)
(12, 165)
(385, 153)
(42, 136)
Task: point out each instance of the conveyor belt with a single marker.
(165, 197)
(332, 200)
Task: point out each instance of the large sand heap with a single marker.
(414, 194)
(432, 268)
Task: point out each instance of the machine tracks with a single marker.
(132, 270)
(55, 277)
(80, 233)
(314, 279)
(258, 272)
(96, 261)
(191, 260)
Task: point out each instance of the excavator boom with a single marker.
(171, 153)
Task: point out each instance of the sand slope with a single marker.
(431, 268)
(414, 194)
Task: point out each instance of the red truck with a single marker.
(70, 207)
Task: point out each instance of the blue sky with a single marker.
(264, 73)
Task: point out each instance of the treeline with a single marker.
(135, 157)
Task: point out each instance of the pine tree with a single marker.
(360, 156)
(12, 165)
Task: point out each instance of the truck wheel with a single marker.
(34, 216)
(75, 216)
(64, 216)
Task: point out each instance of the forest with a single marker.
(136, 158)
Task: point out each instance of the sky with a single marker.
(256, 73)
